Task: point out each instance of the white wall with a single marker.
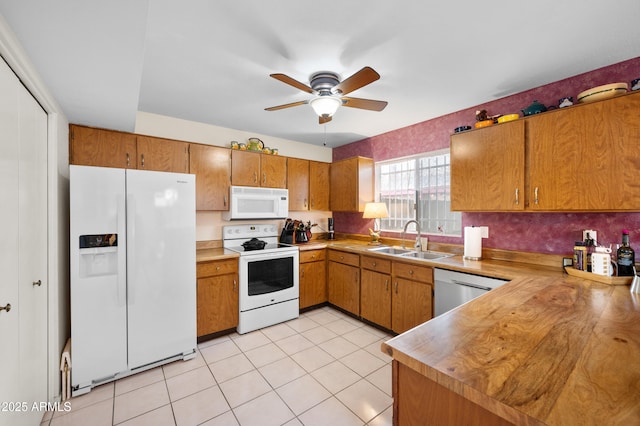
(192, 131)
(58, 211)
(209, 224)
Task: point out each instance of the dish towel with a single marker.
(65, 369)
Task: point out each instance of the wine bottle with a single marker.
(626, 257)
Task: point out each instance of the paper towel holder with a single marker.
(473, 236)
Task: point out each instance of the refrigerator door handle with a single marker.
(131, 249)
(122, 277)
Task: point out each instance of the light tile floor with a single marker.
(323, 368)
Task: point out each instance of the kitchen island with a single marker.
(538, 350)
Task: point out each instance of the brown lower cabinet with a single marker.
(393, 294)
(217, 296)
(412, 297)
(343, 275)
(375, 290)
(418, 400)
(313, 278)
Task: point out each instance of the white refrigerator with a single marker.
(132, 271)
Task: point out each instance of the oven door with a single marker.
(268, 278)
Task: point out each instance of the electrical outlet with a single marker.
(567, 261)
(592, 234)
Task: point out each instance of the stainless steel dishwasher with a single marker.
(452, 289)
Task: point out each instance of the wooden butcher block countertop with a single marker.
(538, 350)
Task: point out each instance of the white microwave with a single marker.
(247, 202)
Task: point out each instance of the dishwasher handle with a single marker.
(479, 287)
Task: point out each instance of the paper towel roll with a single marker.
(472, 242)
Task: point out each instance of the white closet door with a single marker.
(23, 252)
(33, 284)
(9, 259)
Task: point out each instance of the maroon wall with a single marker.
(535, 232)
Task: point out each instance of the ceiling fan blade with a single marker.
(292, 82)
(323, 120)
(364, 103)
(360, 79)
(293, 104)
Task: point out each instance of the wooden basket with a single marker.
(599, 278)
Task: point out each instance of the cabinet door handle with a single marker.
(396, 287)
(37, 283)
(305, 203)
(7, 307)
(535, 195)
(373, 264)
(142, 159)
(264, 178)
(235, 284)
(128, 160)
(386, 285)
(517, 196)
(255, 177)
(410, 271)
(224, 200)
(312, 203)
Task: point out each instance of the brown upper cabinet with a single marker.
(308, 184)
(89, 146)
(162, 155)
(487, 168)
(212, 167)
(352, 183)
(256, 169)
(108, 148)
(585, 158)
(580, 158)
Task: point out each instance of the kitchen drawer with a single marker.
(376, 264)
(217, 267)
(312, 255)
(344, 257)
(413, 272)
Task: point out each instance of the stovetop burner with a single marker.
(253, 239)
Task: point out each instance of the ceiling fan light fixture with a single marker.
(325, 106)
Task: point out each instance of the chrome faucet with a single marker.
(417, 244)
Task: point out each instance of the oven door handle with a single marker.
(479, 287)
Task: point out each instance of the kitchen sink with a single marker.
(403, 252)
(426, 255)
(390, 250)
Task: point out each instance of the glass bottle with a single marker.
(591, 244)
(625, 257)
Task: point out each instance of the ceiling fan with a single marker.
(330, 91)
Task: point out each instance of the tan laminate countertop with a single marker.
(538, 350)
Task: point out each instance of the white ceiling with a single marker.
(209, 61)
